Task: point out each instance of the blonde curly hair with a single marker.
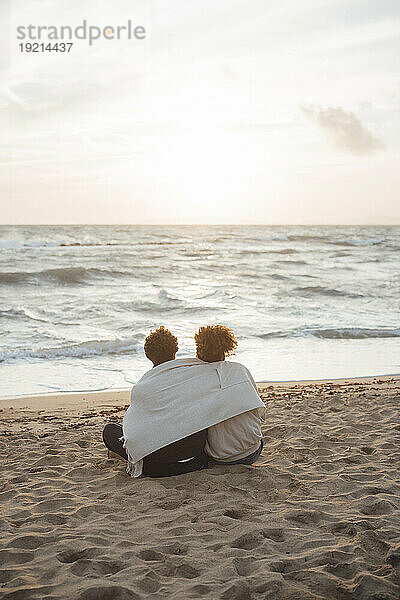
(214, 343)
(160, 345)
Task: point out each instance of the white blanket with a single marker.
(181, 397)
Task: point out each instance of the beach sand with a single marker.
(316, 517)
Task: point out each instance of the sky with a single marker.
(229, 111)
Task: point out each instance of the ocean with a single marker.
(76, 302)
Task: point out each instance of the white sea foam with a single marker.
(82, 350)
(61, 276)
(341, 333)
(81, 299)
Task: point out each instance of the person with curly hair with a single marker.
(237, 440)
(160, 346)
(214, 342)
(182, 456)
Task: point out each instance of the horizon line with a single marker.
(200, 224)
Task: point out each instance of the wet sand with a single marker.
(316, 517)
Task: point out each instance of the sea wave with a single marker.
(284, 251)
(165, 302)
(265, 251)
(289, 262)
(12, 244)
(60, 276)
(307, 238)
(82, 350)
(21, 312)
(278, 277)
(356, 241)
(343, 333)
(325, 291)
(263, 238)
(29, 315)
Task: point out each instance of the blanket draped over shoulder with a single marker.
(181, 397)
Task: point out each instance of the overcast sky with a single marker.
(230, 111)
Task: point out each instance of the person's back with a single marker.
(238, 439)
(182, 456)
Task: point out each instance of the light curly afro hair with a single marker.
(214, 343)
(160, 345)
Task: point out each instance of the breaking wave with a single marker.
(60, 276)
(344, 333)
(110, 285)
(356, 241)
(83, 350)
(323, 291)
(21, 312)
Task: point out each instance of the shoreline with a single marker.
(121, 393)
(39, 413)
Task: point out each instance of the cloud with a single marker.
(344, 130)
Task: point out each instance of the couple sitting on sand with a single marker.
(189, 412)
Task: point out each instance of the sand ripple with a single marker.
(317, 518)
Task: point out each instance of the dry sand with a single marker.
(317, 517)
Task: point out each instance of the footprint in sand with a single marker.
(276, 535)
(237, 591)
(306, 517)
(367, 450)
(234, 513)
(343, 528)
(150, 555)
(95, 568)
(108, 592)
(185, 570)
(29, 542)
(372, 506)
(177, 549)
(244, 566)
(71, 555)
(393, 557)
(343, 570)
(15, 557)
(7, 575)
(248, 541)
(149, 583)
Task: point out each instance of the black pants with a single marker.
(164, 462)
